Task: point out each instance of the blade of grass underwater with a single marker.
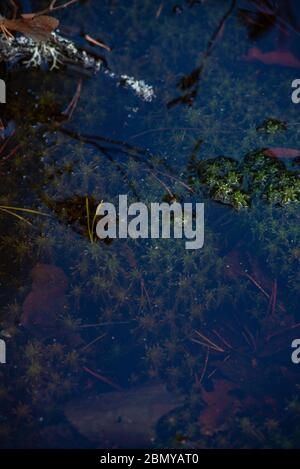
(95, 216)
(15, 215)
(93, 342)
(206, 345)
(209, 342)
(88, 218)
(11, 211)
(27, 210)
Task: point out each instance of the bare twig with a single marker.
(215, 370)
(249, 338)
(93, 342)
(96, 42)
(53, 7)
(163, 184)
(252, 279)
(274, 302)
(207, 342)
(102, 378)
(222, 339)
(14, 8)
(11, 153)
(159, 10)
(205, 366)
(68, 112)
(102, 324)
(177, 180)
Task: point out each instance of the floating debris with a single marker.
(140, 88)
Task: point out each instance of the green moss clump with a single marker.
(258, 176)
(272, 126)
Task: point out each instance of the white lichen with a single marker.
(59, 51)
(55, 52)
(44, 52)
(139, 87)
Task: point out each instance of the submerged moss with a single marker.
(142, 301)
(272, 126)
(258, 176)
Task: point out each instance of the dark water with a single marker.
(101, 335)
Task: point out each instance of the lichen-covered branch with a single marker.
(59, 51)
(56, 52)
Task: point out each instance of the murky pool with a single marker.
(137, 341)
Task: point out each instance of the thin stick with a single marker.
(162, 183)
(177, 180)
(206, 339)
(250, 336)
(88, 218)
(3, 146)
(53, 7)
(205, 366)
(68, 112)
(222, 339)
(247, 339)
(205, 345)
(15, 215)
(257, 285)
(144, 290)
(274, 298)
(102, 378)
(96, 42)
(270, 302)
(214, 371)
(267, 295)
(14, 7)
(159, 10)
(164, 129)
(12, 153)
(102, 324)
(26, 210)
(93, 342)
